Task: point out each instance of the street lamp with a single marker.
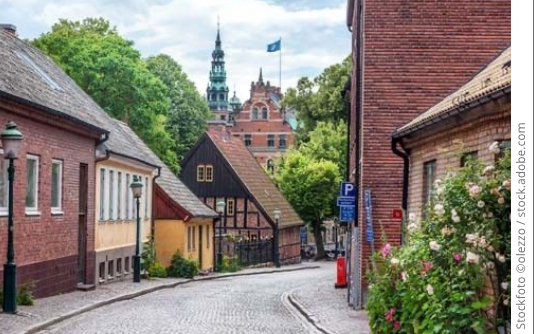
(137, 190)
(276, 258)
(11, 139)
(220, 206)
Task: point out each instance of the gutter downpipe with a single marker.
(405, 155)
(153, 217)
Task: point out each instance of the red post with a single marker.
(341, 273)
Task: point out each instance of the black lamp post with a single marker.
(11, 139)
(277, 214)
(220, 206)
(137, 190)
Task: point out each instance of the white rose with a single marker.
(430, 289)
(481, 204)
(434, 246)
(494, 147)
(412, 217)
(394, 262)
(501, 258)
(445, 231)
(507, 184)
(412, 227)
(505, 301)
(439, 209)
(488, 170)
(440, 191)
(472, 258)
(490, 214)
(474, 191)
(482, 242)
(471, 238)
(504, 285)
(404, 276)
(500, 200)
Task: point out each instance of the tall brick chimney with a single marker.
(9, 28)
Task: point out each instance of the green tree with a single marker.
(311, 187)
(108, 68)
(189, 111)
(319, 99)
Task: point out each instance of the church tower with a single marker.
(217, 91)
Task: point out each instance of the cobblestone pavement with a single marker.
(247, 304)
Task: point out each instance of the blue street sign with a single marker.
(345, 201)
(368, 215)
(346, 213)
(347, 189)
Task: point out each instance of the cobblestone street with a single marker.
(248, 304)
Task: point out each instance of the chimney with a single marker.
(9, 28)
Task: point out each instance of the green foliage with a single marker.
(108, 68)
(230, 265)
(188, 111)
(24, 294)
(319, 99)
(181, 267)
(435, 283)
(157, 270)
(148, 257)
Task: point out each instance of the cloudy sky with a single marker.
(313, 32)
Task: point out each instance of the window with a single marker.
(429, 177)
(111, 195)
(221, 97)
(110, 269)
(255, 112)
(504, 145)
(248, 140)
(126, 265)
(119, 196)
(57, 184)
(209, 173)
(466, 157)
(127, 198)
(102, 192)
(264, 113)
(208, 236)
(282, 141)
(270, 140)
(230, 207)
(119, 267)
(102, 271)
(223, 117)
(4, 184)
(146, 193)
(190, 238)
(200, 173)
(32, 183)
(270, 166)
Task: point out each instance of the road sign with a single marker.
(346, 213)
(369, 216)
(345, 201)
(347, 189)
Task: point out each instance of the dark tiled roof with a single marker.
(167, 180)
(28, 74)
(254, 177)
(496, 76)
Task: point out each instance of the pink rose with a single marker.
(386, 250)
(389, 315)
(397, 325)
(427, 265)
(457, 257)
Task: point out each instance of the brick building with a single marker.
(407, 56)
(462, 125)
(262, 124)
(54, 232)
(219, 167)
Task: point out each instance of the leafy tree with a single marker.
(109, 69)
(189, 111)
(311, 187)
(319, 99)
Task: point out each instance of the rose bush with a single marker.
(438, 282)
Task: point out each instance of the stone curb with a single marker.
(55, 320)
(310, 317)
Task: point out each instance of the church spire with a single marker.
(260, 80)
(218, 40)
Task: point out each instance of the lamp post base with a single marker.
(137, 268)
(9, 304)
(219, 261)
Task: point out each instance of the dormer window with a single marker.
(201, 173)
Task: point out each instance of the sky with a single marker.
(313, 33)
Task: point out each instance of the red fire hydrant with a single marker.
(341, 273)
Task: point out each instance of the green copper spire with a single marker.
(217, 92)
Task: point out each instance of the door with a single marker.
(82, 223)
(200, 246)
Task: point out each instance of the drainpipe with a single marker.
(153, 216)
(405, 155)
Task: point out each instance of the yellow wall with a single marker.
(112, 232)
(171, 236)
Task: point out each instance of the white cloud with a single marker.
(313, 35)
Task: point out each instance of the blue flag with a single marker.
(276, 46)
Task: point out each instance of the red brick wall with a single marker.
(50, 241)
(415, 53)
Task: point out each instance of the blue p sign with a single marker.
(347, 189)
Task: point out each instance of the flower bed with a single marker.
(453, 275)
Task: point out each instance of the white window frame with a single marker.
(127, 197)
(4, 209)
(232, 207)
(57, 209)
(203, 169)
(111, 195)
(206, 178)
(35, 209)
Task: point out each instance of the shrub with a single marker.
(230, 265)
(181, 267)
(24, 294)
(157, 270)
(149, 255)
(435, 283)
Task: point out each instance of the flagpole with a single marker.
(280, 67)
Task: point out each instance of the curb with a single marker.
(55, 320)
(310, 317)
